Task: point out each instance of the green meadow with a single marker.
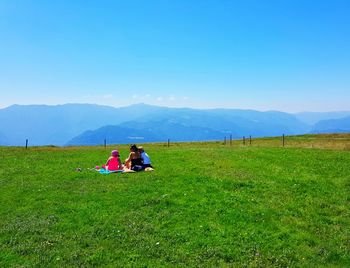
(206, 204)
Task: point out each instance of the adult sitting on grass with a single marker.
(146, 160)
(134, 161)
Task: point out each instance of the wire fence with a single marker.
(340, 141)
(325, 141)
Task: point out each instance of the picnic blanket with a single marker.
(106, 171)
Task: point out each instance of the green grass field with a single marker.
(206, 204)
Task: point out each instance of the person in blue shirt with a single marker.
(146, 160)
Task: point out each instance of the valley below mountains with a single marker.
(90, 124)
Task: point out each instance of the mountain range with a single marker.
(341, 125)
(90, 124)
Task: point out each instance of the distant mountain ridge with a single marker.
(80, 124)
(332, 126)
(122, 135)
(3, 140)
(57, 124)
(312, 118)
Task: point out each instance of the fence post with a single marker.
(283, 140)
(26, 143)
(243, 140)
(231, 140)
(168, 142)
(250, 139)
(105, 143)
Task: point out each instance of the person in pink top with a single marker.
(113, 162)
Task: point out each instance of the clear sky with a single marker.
(288, 55)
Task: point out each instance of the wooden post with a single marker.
(250, 139)
(168, 142)
(231, 140)
(243, 140)
(283, 140)
(26, 143)
(105, 143)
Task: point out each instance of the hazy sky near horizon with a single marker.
(291, 55)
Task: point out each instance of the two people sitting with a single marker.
(138, 160)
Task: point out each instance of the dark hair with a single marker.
(133, 147)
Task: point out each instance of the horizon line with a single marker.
(170, 107)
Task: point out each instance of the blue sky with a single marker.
(288, 55)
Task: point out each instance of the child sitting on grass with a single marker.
(113, 162)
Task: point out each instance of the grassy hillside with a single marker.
(340, 141)
(206, 204)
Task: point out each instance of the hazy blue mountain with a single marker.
(150, 132)
(69, 123)
(236, 122)
(3, 140)
(183, 124)
(44, 124)
(176, 130)
(312, 118)
(113, 135)
(341, 125)
(270, 123)
(270, 120)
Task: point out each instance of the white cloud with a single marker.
(159, 99)
(172, 98)
(141, 96)
(107, 96)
